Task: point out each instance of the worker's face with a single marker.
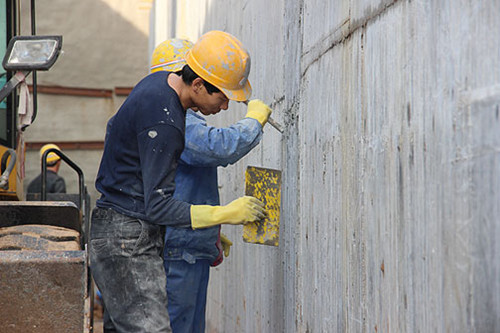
(212, 103)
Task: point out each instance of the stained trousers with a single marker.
(126, 263)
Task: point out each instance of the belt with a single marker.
(104, 213)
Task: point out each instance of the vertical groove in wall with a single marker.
(291, 184)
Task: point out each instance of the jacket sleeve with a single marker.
(208, 146)
(160, 147)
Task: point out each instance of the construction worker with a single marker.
(188, 253)
(55, 183)
(144, 141)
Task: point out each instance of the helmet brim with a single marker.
(240, 95)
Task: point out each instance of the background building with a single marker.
(105, 53)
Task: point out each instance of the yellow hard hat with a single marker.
(169, 55)
(220, 59)
(52, 157)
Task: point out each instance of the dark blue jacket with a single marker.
(144, 141)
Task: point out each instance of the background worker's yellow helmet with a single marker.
(169, 55)
(52, 158)
(221, 60)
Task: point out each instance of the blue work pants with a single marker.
(187, 294)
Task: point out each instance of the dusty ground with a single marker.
(98, 325)
(97, 317)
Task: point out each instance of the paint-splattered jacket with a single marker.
(144, 141)
(196, 181)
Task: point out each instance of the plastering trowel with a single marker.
(265, 185)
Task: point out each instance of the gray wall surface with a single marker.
(391, 166)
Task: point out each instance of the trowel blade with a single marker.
(265, 185)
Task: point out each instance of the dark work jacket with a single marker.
(144, 141)
(55, 183)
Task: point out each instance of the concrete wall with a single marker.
(391, 165)
(105, 45)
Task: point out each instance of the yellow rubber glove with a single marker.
(226, 244)
(240, 211)
(258, 110)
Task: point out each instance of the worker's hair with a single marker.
(188, 76)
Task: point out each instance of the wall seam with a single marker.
(338, 35)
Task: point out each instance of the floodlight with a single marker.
(29, 53)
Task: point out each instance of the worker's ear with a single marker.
(198, 85)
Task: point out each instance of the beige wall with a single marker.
(105, 45)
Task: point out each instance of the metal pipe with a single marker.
(34, 76)
(81, 181)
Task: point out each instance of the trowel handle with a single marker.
(274, 124)
(271, 121)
